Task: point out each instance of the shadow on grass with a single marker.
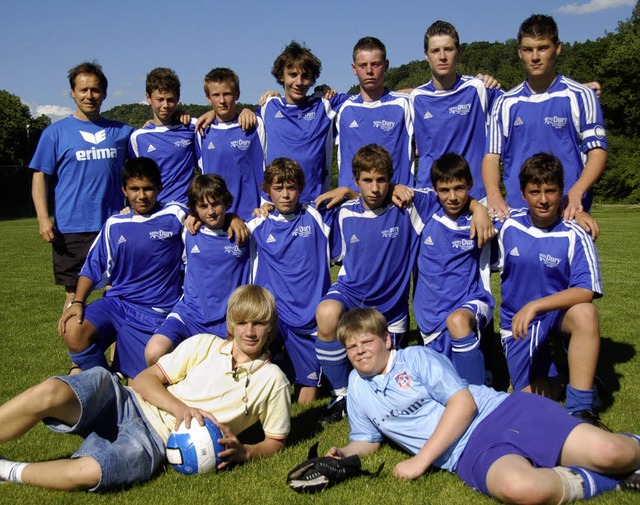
(612, 353)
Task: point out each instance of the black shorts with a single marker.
(69, 252)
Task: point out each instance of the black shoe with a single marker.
(589, 416)
(630, 482)
(337, 410)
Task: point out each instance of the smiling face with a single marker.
(539, 54)
(543, 201)
(223, 97)
(443, 55)
(88, 95)
(163, 105)
(211, 213)
(370, 67)
(142, 194)
(296, 82)
(249, 338)
(453, 196)
(368, 353)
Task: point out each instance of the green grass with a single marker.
(31, 350)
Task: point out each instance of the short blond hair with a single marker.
(252, 303)
(358, 321)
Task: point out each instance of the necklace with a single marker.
(236, 373)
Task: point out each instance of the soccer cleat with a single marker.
(630, 482)
(588, 416)
(337, 411)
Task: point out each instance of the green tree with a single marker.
(19, 132)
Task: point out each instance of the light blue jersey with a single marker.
(452, 121)
(238, 157)
(84, 160)
(565, 121)
(387, 122)
(406, 403)
(172, 147)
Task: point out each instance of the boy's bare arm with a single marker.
(481, 228)
(458, 414)
(557, 301)
(358, 447)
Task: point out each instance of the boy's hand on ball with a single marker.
(234, 449)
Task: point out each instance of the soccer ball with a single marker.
(196, 449)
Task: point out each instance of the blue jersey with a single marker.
(566, 121)
(386, 122)
(451, 271)
(215, 267)
(539, 262)
(290, 256)
(305, 134)
(84, 159)
(378, 249)
(407, 402)
(452, 121)
(238, 157)
(140, 257)
(172, 147)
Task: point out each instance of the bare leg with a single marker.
(51, 398)
(64, 474)
(307, 394)
(583, 324)
(512, 479)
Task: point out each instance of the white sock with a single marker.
(11, 471)
(572, 484)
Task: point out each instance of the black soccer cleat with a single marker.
(337, 411)
(589, 416)
(630, 482)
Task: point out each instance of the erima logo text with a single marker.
(93, 153)
(407, 411)
(160, 234)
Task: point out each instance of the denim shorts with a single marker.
(116, 433)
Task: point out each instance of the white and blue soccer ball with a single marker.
(195, 449)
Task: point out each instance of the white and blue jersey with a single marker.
(305, 134)
(539, 262)
(452, 270)
(215, 267)
(566, 121)
(140, 257)
(452, 121)
(290, 253)
(85, 160)
(406, 403)
(238, 157)
(378, 249)
(387, 122)
(172, 147)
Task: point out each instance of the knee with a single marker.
(328, 316)
(49, 394)
(460, 323)
(518, 489)
(617, 453)
(584, 316)
(155, 349)
(77, 337)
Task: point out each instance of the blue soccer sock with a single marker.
(467, 358)
(578, 399)
(332, 357)
(91, 357)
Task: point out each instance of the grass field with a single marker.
(30, 350)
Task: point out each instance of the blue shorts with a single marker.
(530, 358)
(525, 424)
(116, 433)
(440, 341)
(180, 325)
(128, 325)
(397, 317)
(301, 351)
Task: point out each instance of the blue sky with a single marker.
(41, 39)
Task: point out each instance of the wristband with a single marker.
(77, 301)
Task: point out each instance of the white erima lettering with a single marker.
(96, 154)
